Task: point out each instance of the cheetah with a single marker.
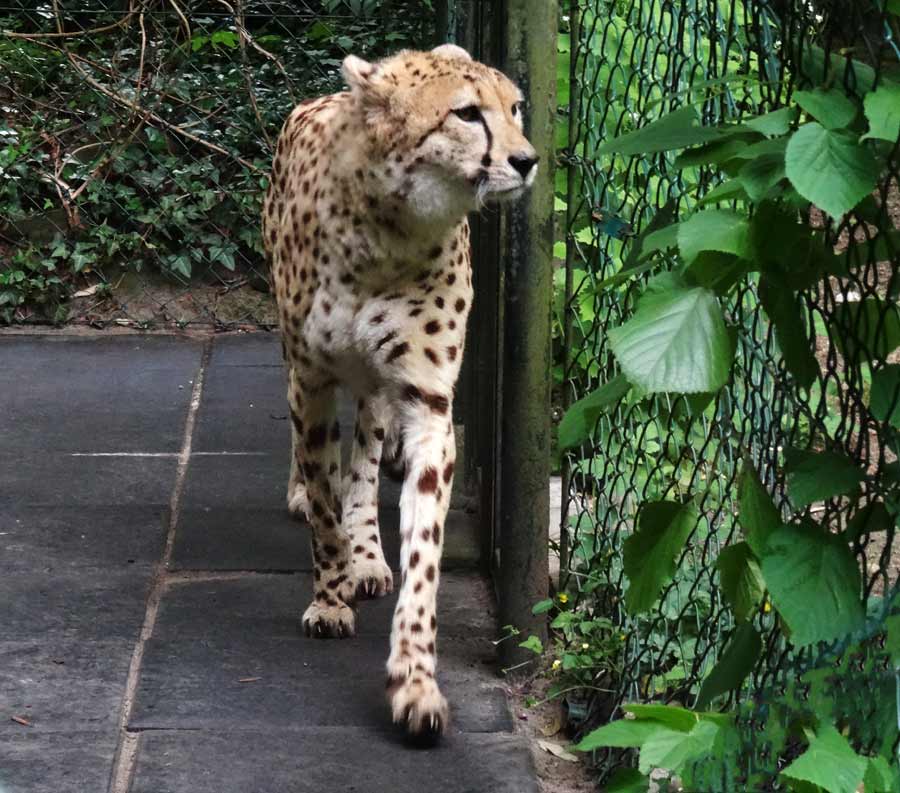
(365, 230)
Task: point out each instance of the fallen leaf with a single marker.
(22, 721)
(557, 751)
(248, 679)
(91, 290)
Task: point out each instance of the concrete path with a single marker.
(151, 580)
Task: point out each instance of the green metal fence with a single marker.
(626, 64)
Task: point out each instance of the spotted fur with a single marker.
(365, 227)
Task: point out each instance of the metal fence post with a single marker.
(530, 31)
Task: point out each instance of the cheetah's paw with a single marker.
(297, 501)
(322, 621)
(373, 577)
(417, 704)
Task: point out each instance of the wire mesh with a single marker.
(631, 63)
(135, 142)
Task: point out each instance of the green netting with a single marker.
(632, 62)
(136, 139)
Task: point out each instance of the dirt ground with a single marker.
(544, 724)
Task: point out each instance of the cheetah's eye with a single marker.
(470, 113)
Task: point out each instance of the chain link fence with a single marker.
(135, 142)
(630, 63)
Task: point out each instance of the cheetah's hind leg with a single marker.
(370, 570)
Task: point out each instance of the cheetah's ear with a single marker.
(451, 51)
(358, 73)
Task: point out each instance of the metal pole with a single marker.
(441, 21)
(571, 198)
(530, 30)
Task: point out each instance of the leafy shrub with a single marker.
(147, 148)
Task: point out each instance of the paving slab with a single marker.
(62, 685)
(244, 408)
(261, 539)
(345, 760)
(267, 606)
(191, 679)
(233, 516)
(34, 539)
(63, 762)
(106, 394)
(247, 349)
(80, 604)
(211, 635)
(59, 479)
(194, 685)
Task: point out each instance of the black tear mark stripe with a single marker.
(486, 160)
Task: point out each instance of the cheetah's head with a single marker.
(449, 126)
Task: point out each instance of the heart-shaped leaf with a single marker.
(814, 582)
(651, 553)
(830, 168)
(676, 342)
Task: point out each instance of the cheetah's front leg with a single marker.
(430, 451)
(318, 450)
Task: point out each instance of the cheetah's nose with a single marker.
(523, 163)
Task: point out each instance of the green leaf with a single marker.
(651, 552)
(673, 717)
(830, 168)
(714, 153)
(892, 625)
(732, 190)
(675, 342)
(662, 221)
(880, 777)
(758, 514)
(671, 749)
(871, 518)
(735, 663)
(714, 230)
(761, 174)
(785, 311)
(763, 148)
(533, 643)
(817, 476)
(814, 582)
(866, 330)
(627, 780)
(741, 578)
(829, 762)
(675, 130)
(883, 112)
(830, 107)
(621, 734)
(580, 419)
(778, 122)
(885, 395)
(226, 37)
(543, 606)
(716, 271)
